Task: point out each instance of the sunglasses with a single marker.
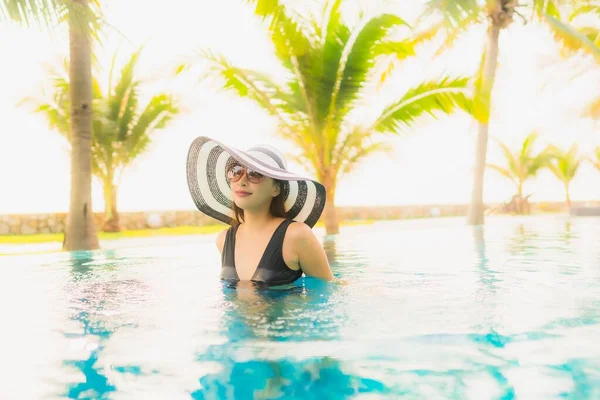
(236, 171)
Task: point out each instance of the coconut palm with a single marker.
(564, 165)
(455, 17)
(522, 164)
(122, 127)
(83, 17)
(80, 230)
(330, 66)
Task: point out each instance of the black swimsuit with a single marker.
(271, 269)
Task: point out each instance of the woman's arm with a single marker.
(311, 255)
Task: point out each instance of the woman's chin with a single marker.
(241, 202)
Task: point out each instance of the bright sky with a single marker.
(432, 164)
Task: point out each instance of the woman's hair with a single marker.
(277, 207)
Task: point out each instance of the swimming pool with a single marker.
(434, 309)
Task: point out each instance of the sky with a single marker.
(431, 164)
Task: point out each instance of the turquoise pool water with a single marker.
(434, 309)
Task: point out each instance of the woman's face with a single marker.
(251, 189)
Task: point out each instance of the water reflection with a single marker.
(330, 247)
(522, 241)
(487, 276)
(253, 364)
(95, 305)
(508, 310)
(86, 302)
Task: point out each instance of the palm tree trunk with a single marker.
(476, 209)
(568, 196)
(520, 198)
(332, 225)
(80, 232)
(111, 215)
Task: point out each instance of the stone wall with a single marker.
(55, 222)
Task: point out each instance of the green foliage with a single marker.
(330, 68)
(122, 126)
(565, 164)
(524, 163)
(48, 13)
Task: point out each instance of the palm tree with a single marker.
(80, 230)
(564, 166)
(456, 16)
(330, 67)
(84, 23)
(522, 165)
(122, 127)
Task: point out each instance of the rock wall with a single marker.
(23, 224)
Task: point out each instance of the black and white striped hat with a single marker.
(206, 175)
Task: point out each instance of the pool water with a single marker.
(433, 309)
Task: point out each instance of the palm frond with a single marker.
(583, 10)
(538, 163)
(332, 20)
(58, 118)
(511, 160)
(393, 52)
(259, 88)
(592, 109)
(354, 147)
(124, 97)
(353, 139)
(158, 112)
(454, 12)
(322, 70)
(293, 44)
(356, 60)
(565, 164)
(301, 136)
(355, 155)
(507, 173)
(30, 12)
(301, 159)
(84, 16)
(528, 143)
(570, 38)
(121, 131)
(55, 106)
(540, 8)
(445, 95)
(361, 52)
(287, 35)
(402, 49)
(424, 35)
(104, 139)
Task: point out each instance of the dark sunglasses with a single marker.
(236, 171)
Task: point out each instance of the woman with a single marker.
(270, 209)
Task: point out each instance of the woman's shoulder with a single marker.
(220, 241)
(297, 232)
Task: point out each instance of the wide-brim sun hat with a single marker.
(207, 162)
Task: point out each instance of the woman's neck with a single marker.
(257, 220)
